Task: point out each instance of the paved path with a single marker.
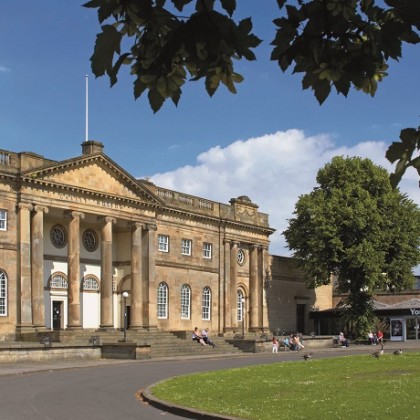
(107, 389)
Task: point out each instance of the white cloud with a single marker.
(4, 69)
(273, 170)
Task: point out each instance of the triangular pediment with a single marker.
(93, 173)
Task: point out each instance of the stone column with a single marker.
(266, 282)
(106, 273)
(253, 288)
(226, 287)
(74, 312)
(149, 281)
(137, 298)
(24, 312)
(37, 258)
(233, 285)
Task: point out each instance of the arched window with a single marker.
(162, 301)
(90, 283)
(3, 293)
(206, 304)
(58, 281)
(185, 301)
(240, 305)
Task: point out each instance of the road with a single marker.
(108, 391)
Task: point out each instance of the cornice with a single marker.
(218, 221)
(81, 161)
(91, 193)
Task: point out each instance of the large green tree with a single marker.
(334, 44)
(356, 228)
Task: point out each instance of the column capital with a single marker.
(26, 206)
(107, 219)
(226, 241)
(136, 225)
(235, 243)
(74, 214)
(40, 209)
(151, 226)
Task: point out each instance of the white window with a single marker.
(162, 301)
(206, 304)
(185, 301)
(58, 282)
(3, 219)
(207, 250)
(163, 243)
(240, 305)
(3, 293)
(90, 283)
(186, 245)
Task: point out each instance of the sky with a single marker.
(267, 142)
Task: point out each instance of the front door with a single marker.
(57, 310)
(300, 315)
(412, 329)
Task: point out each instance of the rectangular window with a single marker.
(3, 294)
(205, 304)
(3, 219)
(186, 245)
(163, 243)
(185, 302)
(207, 250)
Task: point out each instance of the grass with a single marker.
(347, 387)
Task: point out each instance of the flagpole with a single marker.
(87, 109)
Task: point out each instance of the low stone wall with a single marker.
(125, 350)
(40, 354)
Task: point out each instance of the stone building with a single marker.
(76, 234)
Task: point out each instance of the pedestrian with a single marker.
(275, 344)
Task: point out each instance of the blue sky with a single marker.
(267, 141)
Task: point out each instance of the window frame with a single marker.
(3, 294)
(3, 219)
(64, 284)
(162, 301)
(163, 246)
(186, 247)
(240, 306)
(185, 301)
(88, 281)
(207, 250)
(206, 304)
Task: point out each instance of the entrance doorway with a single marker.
(300, 317)
(412, 328)
(57, 311)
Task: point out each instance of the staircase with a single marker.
(162, 343)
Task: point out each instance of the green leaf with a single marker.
(156, 100)
(322, 89)
(229, 6)
(179, 4)
(123, 59)
(107, 43)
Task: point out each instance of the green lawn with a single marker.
(356, 387)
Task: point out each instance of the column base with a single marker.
(105, 328)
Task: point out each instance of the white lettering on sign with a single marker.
(415, 311)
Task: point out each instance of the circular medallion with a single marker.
(58, 236)
(240, 256)
(90, 240)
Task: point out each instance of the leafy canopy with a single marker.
(334, 44)
(355, 227)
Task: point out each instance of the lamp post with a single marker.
(125, 296)
(243, 317)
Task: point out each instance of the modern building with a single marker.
(76, 234)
